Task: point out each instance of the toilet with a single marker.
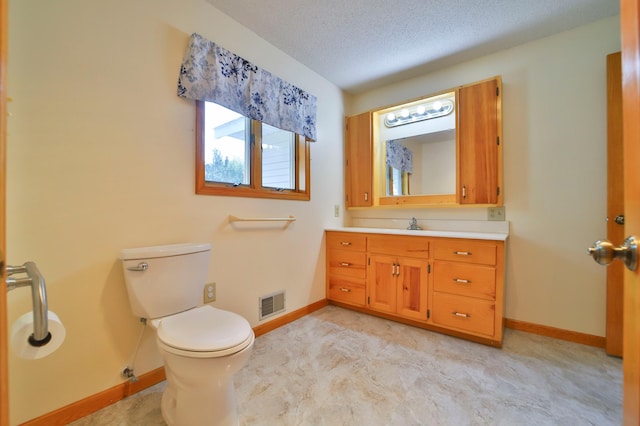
(202, 346)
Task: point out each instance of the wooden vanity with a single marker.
(450, 282)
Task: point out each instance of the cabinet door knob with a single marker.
(345, 243)
(461, 281)
(460, 314)
(345, 290)
(462, 253)
(345, 264)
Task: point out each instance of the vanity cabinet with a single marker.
(450, 285)
(359, 161)
(397, 275)
(467, 286)
(346, 267)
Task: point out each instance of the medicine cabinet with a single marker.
(438, 150)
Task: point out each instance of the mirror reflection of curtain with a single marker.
(399, 161)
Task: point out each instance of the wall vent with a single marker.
(271, 304)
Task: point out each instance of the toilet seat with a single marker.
(204, 332)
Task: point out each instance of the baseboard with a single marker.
(86, 406)
(290, 317)
(556, 333)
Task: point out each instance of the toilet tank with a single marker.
(172, 280)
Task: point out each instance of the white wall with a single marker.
(101, 157)
(554, 124)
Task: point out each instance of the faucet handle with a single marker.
(413, 224)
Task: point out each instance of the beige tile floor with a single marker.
(338, 367)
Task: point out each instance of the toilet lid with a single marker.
(204, 329)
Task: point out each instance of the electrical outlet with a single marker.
(209, 292)
(496, 213)
(336, 210)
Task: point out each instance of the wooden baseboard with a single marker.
(290, 317)
(84, 407)
(556, 333)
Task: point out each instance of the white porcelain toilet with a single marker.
(202, 346)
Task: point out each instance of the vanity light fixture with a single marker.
(419, 112)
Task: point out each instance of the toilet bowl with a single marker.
(202, 346)
(202, 350)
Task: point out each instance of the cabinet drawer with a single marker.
(465, 279)
(396, 245)
(347, 263)
(464, 313)
(346, 291)
(346, 241)
(465, 251)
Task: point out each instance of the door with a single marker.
(615, 202)
(359, 160)
(4, 363)
(381, 285)
(630, 30)
(412, 288)
(478, 147)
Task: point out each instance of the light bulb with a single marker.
(391, 117)
(404, 113)
(421, 110)
(437, 105)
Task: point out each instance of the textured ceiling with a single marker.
(360, 44)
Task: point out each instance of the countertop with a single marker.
(495, 236)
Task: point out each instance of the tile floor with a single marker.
(338, 367)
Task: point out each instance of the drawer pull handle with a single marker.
(461, 281)
(460, 314)
(345, 243)
(345, 264)
(345, 290)
(462, 253)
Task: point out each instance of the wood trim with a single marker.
(261, 329)
(615, 203)
(630, 37)
(84, 407)
(556, 333)
(4, 356)
(414, 201)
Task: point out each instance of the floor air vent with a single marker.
(271, 304)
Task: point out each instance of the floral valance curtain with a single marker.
(399, 157)
(212, 73)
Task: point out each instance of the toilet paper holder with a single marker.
(34, 278)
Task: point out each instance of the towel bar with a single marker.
(233, 218)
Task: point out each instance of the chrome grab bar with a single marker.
(34, 278)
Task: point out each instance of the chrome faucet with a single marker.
(413, 225)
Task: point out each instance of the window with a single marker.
(237, 156)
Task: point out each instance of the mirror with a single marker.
(416, 149)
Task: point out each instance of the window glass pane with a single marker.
(226, 145)
(278, 158)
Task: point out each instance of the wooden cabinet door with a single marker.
(359, 161)
(381, 283)
(479, 150)
(412, 288)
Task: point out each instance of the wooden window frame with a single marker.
(254, 189)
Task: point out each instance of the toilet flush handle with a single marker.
(142, 266)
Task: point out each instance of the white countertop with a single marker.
(496, 236)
